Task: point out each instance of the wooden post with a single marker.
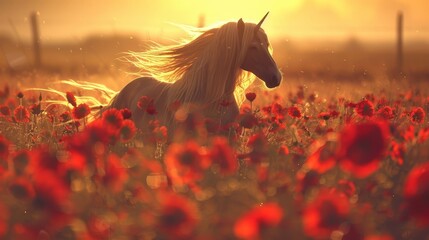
(399, 44)
(36, 39)
(201, 21)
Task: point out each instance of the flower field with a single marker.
(293, 166)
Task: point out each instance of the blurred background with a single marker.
(315, 40)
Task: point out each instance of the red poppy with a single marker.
(20, 162)
(115, 173)
(21, 188)
(5, 110)
(65, 117)
(252, 223)
(127, 130)
(4, 148)
(283, 150)
(36, 109)
(416, 194)
(362, 146)
(160, 133)
(322, 156)
(81, 111)
(397, 152)
(385, 112)
(324, 115)
(21, 114)
(178, 216)
(325, 214)
(250, 96)
(71, 99)
(126, 113)
(417, 115)
(151, 110)
(144, 102)
(186, 162)
(423, 135)
(222, 156)
(247, 120)
(113, 118)
(334, 114)
(294, 112)
(258, 142)
(20, 95)
(365, 108)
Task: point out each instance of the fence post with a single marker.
(36, 39)
(399, 43)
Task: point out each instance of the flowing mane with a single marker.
(214, 67)
(199, 62)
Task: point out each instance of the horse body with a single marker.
(207, 75)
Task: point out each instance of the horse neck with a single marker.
(198, 90)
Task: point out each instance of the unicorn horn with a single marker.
(260, 23)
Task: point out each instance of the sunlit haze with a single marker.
(307, 19)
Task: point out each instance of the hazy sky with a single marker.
(75, 19)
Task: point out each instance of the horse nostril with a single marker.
(276, 79)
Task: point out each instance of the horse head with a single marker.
(258, 59)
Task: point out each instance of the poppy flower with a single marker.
(21, 114)
(186, 162)
(81, 111)
(251, 224)
(115, 173)
(4, 148)
(417, 115)
(5, 110)
(322, 156)
(362, 146)
(71, 99)
(65, 117)
(151, 110)
(126, 113)
(250, 96)
(21, 188)
(113, 118)
(416, 194)
(177, 217)
(397, 152)
(324, 115)
(144, 102)
(294, 112)
(160, 133)
(36, 109)
(385, 112)
(222, 156)
(247, 120)
(127, 130)
(325, 214)
(365, 108)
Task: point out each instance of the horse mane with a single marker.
(203, 69)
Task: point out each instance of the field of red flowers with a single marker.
(292, 167)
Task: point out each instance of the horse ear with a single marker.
(240, 29)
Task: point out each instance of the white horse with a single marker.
(215, 67)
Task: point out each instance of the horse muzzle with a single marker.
(274, 80)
